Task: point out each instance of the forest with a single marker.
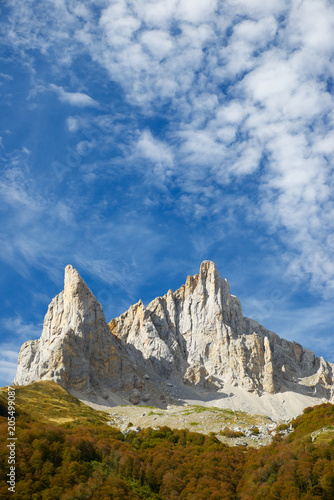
(91, 460)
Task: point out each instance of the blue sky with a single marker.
(139, 138)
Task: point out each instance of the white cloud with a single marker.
(72, 124)
(156, 13)
(257, 8)
(15, 189)
(81, 10)
(196, 11)
(158, 42)
(159, 163)
(73, 98)
(312, 25)
(256, 33)
(119, 23)
(153, 149)
(233, 112)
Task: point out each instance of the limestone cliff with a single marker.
(199, 334)
(75, 348)
(195, 338)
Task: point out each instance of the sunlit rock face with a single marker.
(195, 337)
(199, 334)
(75, 348)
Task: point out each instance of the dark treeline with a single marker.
(97, 462)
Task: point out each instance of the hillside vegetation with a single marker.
(46, 401)
(83, 458)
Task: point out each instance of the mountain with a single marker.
(193, 344)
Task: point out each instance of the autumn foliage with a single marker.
(98, 462)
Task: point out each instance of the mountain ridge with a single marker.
(191, 344)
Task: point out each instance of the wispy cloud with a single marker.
(18, 327)
(73, 98)
(8, 363)
(4, 76)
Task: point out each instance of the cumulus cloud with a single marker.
(153, 149)
(159, 43)
(196, 11)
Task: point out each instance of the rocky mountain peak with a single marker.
(73, 281)
(75, 341)
(208, 278)
(194, 339)
(79, 302)
(208, 267)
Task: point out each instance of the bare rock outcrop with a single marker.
(199, 331)
(75, 349)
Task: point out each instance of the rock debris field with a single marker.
(234, 428)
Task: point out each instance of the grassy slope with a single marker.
(47, 401)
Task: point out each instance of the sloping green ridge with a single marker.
(46, 401)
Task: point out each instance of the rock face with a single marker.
(195, 337)
(75, 349)
(199, 334)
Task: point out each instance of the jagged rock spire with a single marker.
(76, 348)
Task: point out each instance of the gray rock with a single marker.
(134, 428)
(135, 397)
